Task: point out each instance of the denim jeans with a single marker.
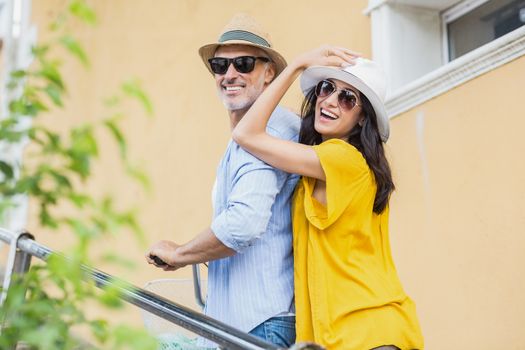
(277, 330)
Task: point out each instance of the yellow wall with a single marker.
(457, 214)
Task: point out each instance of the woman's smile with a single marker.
(326, 114)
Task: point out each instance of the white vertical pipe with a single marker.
(19, 37)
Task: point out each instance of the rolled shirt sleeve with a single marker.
(249, 205)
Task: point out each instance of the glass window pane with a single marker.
(484, 24)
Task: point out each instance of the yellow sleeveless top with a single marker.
(347, 292)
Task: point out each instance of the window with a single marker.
(471, 24)
(427, 47)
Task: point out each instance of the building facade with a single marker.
(457, 73)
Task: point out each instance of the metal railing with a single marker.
(197, 285)
(23, 247)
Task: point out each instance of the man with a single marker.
(248, 244)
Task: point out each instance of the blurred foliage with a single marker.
(44, 305)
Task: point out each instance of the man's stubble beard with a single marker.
(251, 94)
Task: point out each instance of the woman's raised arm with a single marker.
(250, 132)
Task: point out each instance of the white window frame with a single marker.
(439, 76)
(465, 68)
(451, 15)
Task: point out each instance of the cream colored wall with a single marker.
(457, 214)
(181, 145)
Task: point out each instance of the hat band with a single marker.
(243, 35)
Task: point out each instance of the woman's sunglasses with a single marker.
(243, 64)
(347, 99)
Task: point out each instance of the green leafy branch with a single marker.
(54, 174)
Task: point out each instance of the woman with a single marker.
(347, 292)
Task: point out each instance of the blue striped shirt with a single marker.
(252, 216)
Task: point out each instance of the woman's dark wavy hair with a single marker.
(365, 138)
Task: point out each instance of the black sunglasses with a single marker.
(243, 64)
(347, 99)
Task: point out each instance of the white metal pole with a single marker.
(19, 36)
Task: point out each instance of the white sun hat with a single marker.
(365, 75)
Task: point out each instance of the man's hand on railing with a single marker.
(162, 254)
(201, 249)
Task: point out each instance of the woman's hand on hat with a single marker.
(326, 55)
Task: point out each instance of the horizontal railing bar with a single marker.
(216, 331)
(179, 314)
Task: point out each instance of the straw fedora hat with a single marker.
(366, 76)
(244, 30)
